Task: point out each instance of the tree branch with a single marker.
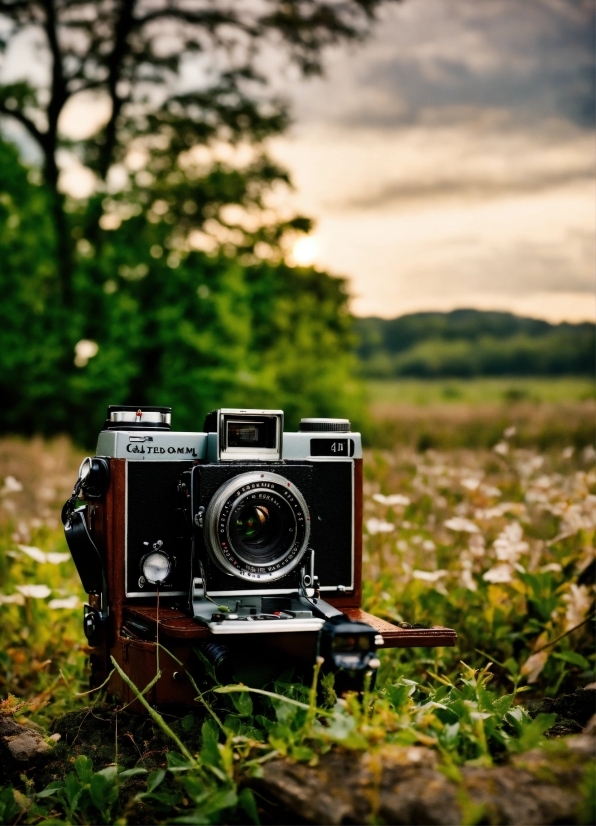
(123, 26)
(35, 133)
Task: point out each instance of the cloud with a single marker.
(534, 60)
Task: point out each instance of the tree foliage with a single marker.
(468, 343)
(173, 267)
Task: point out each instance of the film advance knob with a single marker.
(324, 426)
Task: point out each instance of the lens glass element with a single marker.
(156, 567)
(253, 524)
(262, 528)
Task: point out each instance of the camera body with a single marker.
(238, 546)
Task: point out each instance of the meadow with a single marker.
(495, 538)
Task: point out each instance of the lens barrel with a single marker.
(257, 526)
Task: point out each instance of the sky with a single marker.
(449, 161)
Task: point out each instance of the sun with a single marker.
(305, 251)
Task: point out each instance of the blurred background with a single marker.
(363, 208)
(383, 210)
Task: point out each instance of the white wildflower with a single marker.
(527, 465)
(476, 545)
(374, 526)
(491, 491)
(34, 591)
(392, 500)
(499, 574)
(57, 558)
(466, 579)
(11, 485)
(552, 566)
(429, 545)
(568, 452)
(470, 484)
(580, 517)
(534, 665)
(12, 599)
(509, 544)
(68, 602)
(588, 454)
(578, 600)
(458, 523)
(35, 553)
(401, 545)
(509, 432)
(502, 448)
(429, 576)
(516, 508)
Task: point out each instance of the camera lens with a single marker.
(257, 526)
(253, 524)
(261, 532)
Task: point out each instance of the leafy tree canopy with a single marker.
(168, 283)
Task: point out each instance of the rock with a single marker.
(401, 785)
(19, 747)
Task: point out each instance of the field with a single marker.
(494, 538)
(447, 414)
(421, 392)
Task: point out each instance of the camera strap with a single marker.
(85, 554)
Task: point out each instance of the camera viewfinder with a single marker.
(259, 433)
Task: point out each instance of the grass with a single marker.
(451, 414)
(496, 541)
(480, 391)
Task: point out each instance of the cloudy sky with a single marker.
(449, 161)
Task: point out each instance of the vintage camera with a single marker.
(238, 548)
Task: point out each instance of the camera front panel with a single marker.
(245, 505)
(332, 534)
(154, 515)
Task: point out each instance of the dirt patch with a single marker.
(573, 711)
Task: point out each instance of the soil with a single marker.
(573, 711)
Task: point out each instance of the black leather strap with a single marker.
(86, 557)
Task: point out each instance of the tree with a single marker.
(168, 282)
(132, 54)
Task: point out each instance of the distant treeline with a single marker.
(466, 343)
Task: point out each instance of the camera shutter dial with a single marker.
(257, 526)
(325, 425)
(138, 417)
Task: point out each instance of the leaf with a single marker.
(84, 768)
(154, 779)
(242, 703)
(9, 808)
(449, 736)
(502, 705)
(187, 722)
(103, 791)
(246, 800)
(131, 773)
(110, 773)
(176, 762)
(210, 736)
(573, 658)
(531, 733)
(399, 695)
